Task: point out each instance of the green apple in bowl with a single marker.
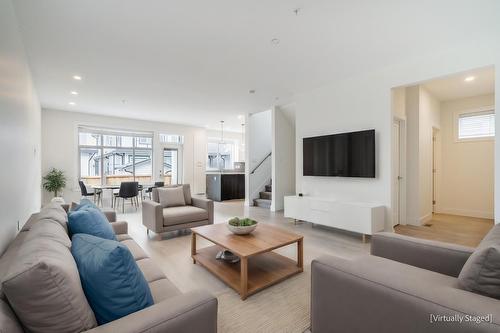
(241, 226)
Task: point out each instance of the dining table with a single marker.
(113, 187)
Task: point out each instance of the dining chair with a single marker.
(150, 189)
(94, 193)
(128, 190)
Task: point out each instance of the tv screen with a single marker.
(340, 155)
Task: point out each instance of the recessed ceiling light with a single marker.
(72, 103)
(74, 93)
(77, 77)
(469, 79)
(275, 41)
(241, 117)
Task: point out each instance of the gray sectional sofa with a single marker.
(172, 311)
(406, 285)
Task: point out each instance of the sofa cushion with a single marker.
(53, 211)
(44, 290)
(50, 230)
(136, 251)
(8, 320)
(163, 289)
(171, 197)
(91, 221)
(113, 283)
(83, 203)
(150, 270)
(9, 257)
(183, 214)
(481, 272)
(187, 193)
(31, 221)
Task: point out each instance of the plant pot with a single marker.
(59, 200)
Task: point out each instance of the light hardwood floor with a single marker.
(463, 230)
(172, 251)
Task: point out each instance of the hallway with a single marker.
(463, 230)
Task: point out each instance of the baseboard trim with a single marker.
(425, 218)
(465, 212)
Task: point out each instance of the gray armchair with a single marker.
(398, 288)
(196, 212)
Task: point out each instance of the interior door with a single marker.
(171, 166)
(396, 205)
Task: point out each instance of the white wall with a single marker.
(412, 105)
(258, 146)
(364, 101)
(283, 158)
(19, 131)
(260, 127)
(60, 146)
(429, 115)
(467, 180)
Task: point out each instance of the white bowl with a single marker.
(241, 230)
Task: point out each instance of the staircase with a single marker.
(265, 197)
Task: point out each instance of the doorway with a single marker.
(449, 157)
(398, 135)
(436, 158)
(170, 170)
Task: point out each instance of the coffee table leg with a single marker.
(193, 246)
(300, 254)
(243, 278)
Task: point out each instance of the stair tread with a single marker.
(262, 200)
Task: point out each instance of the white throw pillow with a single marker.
(171, 196)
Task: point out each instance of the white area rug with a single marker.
(284, 307)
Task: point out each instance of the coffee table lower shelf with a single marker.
(264, 269)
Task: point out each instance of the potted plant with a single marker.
(54, 181)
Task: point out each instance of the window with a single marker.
(169, 138)
(220, 155)
(476, 125)
(111, 157)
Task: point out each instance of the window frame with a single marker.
(478, 111)
(234, 155)
(102, 146)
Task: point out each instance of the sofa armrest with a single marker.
(205, 204)
(191, 312)
(120, 227)
(152, 215)
(436, 256)
(373, 294)
(110, 214)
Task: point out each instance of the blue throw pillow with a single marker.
(92, 221)
(113, 283)
(84, 203)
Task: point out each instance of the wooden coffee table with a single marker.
(259, 266)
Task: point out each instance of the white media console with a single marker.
(360, 217)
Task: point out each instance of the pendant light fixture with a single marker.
(243, 135)
(222, 131)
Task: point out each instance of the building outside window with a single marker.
(110, 157)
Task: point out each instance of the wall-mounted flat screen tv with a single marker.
(340, 155)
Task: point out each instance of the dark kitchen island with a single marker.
(225, 185)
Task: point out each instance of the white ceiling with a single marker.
(455, 87)
(194, 62)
